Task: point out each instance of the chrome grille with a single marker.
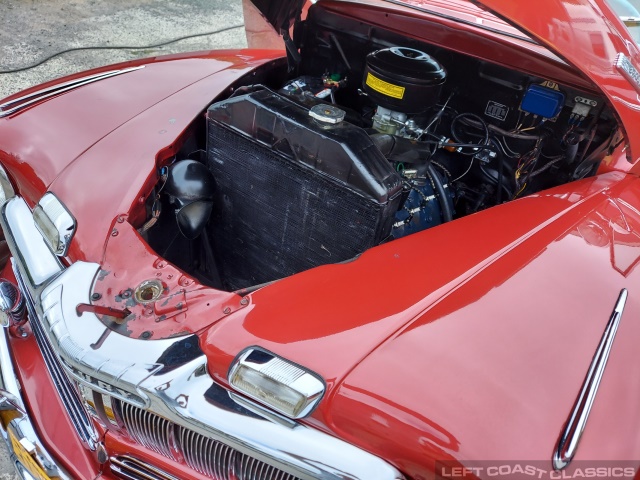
(148, 429)
(206, 455)
(203, 454)
(66, 389)
(249, 468)
(131, 468)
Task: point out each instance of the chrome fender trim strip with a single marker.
(572, 432)
(15, 422)
(40, 95)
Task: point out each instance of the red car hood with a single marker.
(467, 341)
(135, 116)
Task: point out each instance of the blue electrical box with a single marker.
(542, 101)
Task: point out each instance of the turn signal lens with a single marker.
(277, 383)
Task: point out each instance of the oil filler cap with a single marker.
(327, 114)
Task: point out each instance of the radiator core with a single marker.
(292, 195)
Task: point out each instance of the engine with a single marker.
(357, 150)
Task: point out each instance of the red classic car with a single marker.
(402, 247)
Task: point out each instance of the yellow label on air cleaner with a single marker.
(386, 88)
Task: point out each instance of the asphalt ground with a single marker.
(31, 30)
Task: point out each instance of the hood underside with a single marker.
(591, 37)
(587, 34)
(281, 14)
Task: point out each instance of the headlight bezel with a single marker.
(56, 224)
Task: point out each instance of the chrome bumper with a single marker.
(183, 393)
(27, 452)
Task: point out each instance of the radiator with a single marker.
(292, 194)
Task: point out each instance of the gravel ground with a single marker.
(34, 29)
(31, 30)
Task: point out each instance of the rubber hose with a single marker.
(447, 214)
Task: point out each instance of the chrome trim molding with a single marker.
(40, 95)
(154, 379)
(130, 468)
(8, 379)
(66, 390)
(186, 394)
(100, 365)
(572, 432)
(12, 306)
(6, 189)
(33, 257)
(21, 426)
(628, 70)
(55, 216)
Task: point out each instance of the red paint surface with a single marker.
(468, 341)
(184, 306)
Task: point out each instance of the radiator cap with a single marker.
(327, 114)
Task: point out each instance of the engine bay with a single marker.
(370, 136)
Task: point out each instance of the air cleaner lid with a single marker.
(404, 63)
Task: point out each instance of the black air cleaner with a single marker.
(403, 79)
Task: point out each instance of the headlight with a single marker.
(275, 382)
(6, 189)
(55, 223)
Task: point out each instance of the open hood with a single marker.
(279, 13)
(589, 35)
